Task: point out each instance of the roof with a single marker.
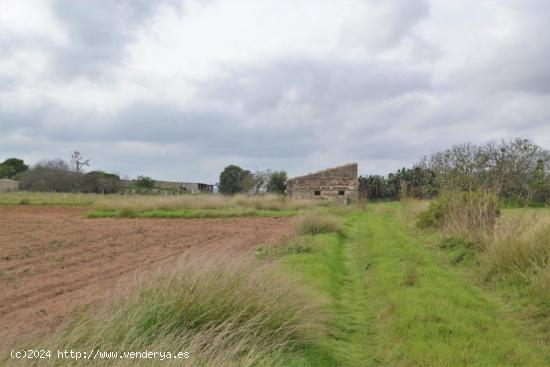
(349, 165)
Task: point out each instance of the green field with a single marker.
(397, 300)
(191, 213)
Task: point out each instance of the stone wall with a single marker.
(339, 183)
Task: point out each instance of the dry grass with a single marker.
(471, 215)
(223, 310)
(199, 202)
(314, 223)
(520, 244)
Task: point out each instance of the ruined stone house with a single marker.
(338, 183)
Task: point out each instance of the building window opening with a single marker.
(317, 193)
(341, 192)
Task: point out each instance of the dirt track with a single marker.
(53, 259)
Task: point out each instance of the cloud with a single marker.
(179, 89)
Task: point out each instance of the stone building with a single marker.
(8, 185)
(339, 183)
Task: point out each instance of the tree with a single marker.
(277, 182)
(145, 182)
(514, 169)
(11, 167)
(234, 179)
(100, 182)
(78, 162)
(50, 175)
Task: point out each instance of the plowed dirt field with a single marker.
(54, 259)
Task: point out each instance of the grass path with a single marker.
(396, 304)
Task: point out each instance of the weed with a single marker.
(314, 223)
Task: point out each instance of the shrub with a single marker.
(51, 175)
(314, 223)
(145, 182)
(431, 217)
(470, 214)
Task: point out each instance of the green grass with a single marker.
(46, 198)
(204, 213)
(395, 303)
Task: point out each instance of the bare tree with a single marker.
(78, 162)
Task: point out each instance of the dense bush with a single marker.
(517, 170)
(99, 182)
(420, 184)
(470, 214)
(145, 182)
(51, 175)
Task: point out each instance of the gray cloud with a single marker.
(386, 94)
(98, 32)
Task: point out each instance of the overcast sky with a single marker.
(179, 89)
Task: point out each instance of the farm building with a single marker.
(8, 185)
(338, 183)
(191, 187)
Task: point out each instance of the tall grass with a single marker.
(223, 310)
(470, 214)
(314, 223)
(46, 198)
(199, 202)
(520, 245)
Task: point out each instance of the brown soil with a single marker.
(54, 259)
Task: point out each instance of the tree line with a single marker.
(58, 175)
(517, 170)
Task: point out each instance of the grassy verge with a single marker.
(394, 303)
(46, 198)
(205, 213)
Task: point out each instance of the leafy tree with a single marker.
(100, 182)
(234, 179)
(419, 181)
(145, 182)
(277, 182)
(11, 167)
